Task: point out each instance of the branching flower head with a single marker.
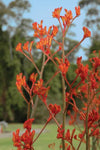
(63, 66)
(24, 141)
(81, 71)
(54, 109)
(77, 9)
(56, 13)
(28, 124)
(87, 32)
(20, 81)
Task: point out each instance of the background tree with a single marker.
(92, 20)
(16, 30)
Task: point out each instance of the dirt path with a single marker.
(6, 135)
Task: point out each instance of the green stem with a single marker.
(40, 131)
(64, 112)
(64, 103)
(81, 141)
(74, 48)
(28, 111)
(87, 130)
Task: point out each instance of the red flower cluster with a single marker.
(60, 132)
(67, 18)
(95, 62)
(56, 13)
(92, 117)
(54, 109)
(28, 124)
(67, 96)
(45, 36)
(33, 77)
(94, 84)
(69, 137)
(44, 44)
(87, 32)
(63, 66)
(40, 90)
(95, 132)
(24, 141)
(77, 9)
(19, 47)
(36, 88)
(20, 81)
(81, 71)
(26, 47)
(39, 31)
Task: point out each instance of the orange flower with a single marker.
(87, 32)
(93, 117)
(34, 26)
(33, 77)
(77, 9)
(68, 14)
(63, 66)
(49, 29)
(79, 60)
(82, 71)
(20, 81)
(44, 44)
(60, 132)
(38, 29)
(16, 139)
(28, 124)
(25, 141)
(95, 132)
(55, 109)
(95, 62)
(55, 30)
(63, 19)
(56, 13)
(26, 46)
(68, 17)
(94, 84)
(19, 47)
(30, 48)
(40, 90)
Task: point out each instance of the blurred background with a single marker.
(16, 18)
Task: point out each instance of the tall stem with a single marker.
(28, 111)
(87, 130)
(37, 98)
(40, 132)
(64, 103)
(64, 112)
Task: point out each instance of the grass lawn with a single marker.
(46, 138)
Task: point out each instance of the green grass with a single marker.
(46, 138)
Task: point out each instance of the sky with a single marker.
(42, 10)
